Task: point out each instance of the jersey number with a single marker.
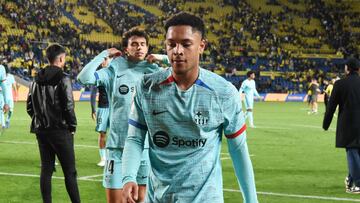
(110, 166)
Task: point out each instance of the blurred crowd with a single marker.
(246, 38)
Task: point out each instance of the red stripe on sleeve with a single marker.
(168, 80)
(232, 136)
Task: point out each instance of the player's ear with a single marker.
(202, 46)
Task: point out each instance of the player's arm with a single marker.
(241, 90)
(331, 107)
(87, 75)
(93, 101)
(14, 87)
(256, 93)
(134, 146)
(235, 132)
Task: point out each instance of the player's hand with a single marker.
(105, 63)
(130, 192)
(6, 108)
(151, 58)
(113, 53)
(93, 116)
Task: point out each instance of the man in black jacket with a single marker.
(346, 94)
(50, 104)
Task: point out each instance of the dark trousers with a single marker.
(60, 144)
(353, 159)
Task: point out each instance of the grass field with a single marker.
(293, 158)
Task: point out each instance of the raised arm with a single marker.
(87, 75)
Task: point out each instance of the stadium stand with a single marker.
(285, 41)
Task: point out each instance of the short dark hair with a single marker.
(184, 18)
(353, 64)
(54, 51)
(135, 31)
(249, 73)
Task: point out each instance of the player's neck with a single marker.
(185, 80)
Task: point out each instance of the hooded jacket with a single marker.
(50, 102)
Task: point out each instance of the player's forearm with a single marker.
(256, 93)
(132, 156)
(87, 74)
(93, 100)
(243, 167)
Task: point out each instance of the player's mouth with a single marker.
(178, 61)
(139, 54)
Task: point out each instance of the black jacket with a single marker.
(346, 94)
(50, 102)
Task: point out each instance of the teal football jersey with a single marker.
(185, 130)
(249, 89)
(119, 80)
(5, 89)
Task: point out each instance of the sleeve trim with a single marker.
(96, 76)
(239, 132)
(137, 125)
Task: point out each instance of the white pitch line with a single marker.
(88, 177)
(301, 196)
(271, 127)
(34, 143)
(226, 190)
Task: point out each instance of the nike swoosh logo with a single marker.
(119, 76)
(157, 112)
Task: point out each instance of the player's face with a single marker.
(252, 76)
(184, 46)
(137, 48)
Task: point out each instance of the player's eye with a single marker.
(171, 44)
(186, 45)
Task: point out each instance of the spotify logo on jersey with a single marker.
(123, 89)
(161, 139)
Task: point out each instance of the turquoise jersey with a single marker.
(5, 89)
(185, 133)
(10, 80)
(249, 89)
(119, 80)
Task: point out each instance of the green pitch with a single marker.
(293, 158)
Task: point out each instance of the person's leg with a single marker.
(64, 148)
(47, 156)
(249, 105)
(353, 159)
(112, 179)
(315, 107)
(113, 195)
(102, 144)
(8, 117)
(9, 114)
(356, 167)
